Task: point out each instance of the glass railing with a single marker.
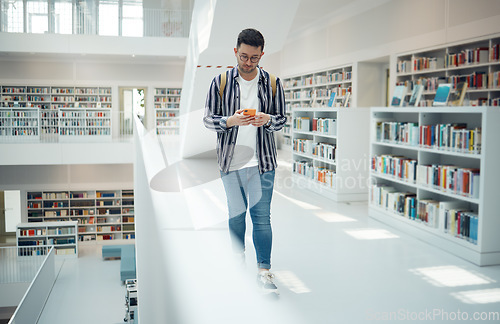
(31, 268)
(106, 18)
(31, 125)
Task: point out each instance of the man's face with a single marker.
(248, 57)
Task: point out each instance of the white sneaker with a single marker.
(266, 283)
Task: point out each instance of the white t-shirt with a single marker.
(245, 153)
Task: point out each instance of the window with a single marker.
(132, 18)
(38, 17)
(15, 21)
(63, 17)
(108, 18)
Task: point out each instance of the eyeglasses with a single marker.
(253, 59)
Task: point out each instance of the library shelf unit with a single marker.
(91, 108)
(475, 61)
(84, 124)
(61, 235)
(102, 215)
(444, 191)
(314, 90)
(19, 123)
(329, 151)
(167, 104)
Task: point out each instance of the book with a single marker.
(457, 97)
(398, 96)
(332, 99)
(416, 95)
(442, 94)
(346, 99)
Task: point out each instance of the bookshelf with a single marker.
(84, 124)
(58, 112)
(476, 62)
(19, 123)
(61, 235)
(101, 215)
(434, 174)
(329, 154)
(314, 90)
(167, 103)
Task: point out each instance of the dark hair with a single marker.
(251, 37)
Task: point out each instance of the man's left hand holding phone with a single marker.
(244, 117)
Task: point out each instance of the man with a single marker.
(246, 149)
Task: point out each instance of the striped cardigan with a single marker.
(217, 112)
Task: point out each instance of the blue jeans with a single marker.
(247, 189)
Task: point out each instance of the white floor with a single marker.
(333, 264)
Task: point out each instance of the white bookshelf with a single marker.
(84, 124)
(101, 215)
(61, 235)
(347, 170)
(480, 246)
(314, 90)
(451, 64)
(167, 104)
(62, 112)
(19, 123)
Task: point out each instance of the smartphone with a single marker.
(249, 112)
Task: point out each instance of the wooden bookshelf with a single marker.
(476, 62)
(417, 174)
(101, 215)
(167, 104)
(59, 112)
(61, 235)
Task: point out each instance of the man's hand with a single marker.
(239, 119)
(260, 119)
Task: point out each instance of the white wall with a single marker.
(393, 27)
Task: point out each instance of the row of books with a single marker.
(61, 230)
(321, 150)
(30, 242)
(20, 132)
(84, 132)
(164, 114)
(166, 105)
(324, 151)
(465, 57)
(320, 79)
(327, 126)
(397, 166)
(446, 178)
(449, 217)
(451, 137)
(55, 204)
(65, 251)
(449, 178)
(477, 55)
(53, 241)
(32, 232)
(56, 213)
(109, 228)
(19, 123)
(471, 102)
(320, 174)
(302, 124)
(444, 95)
